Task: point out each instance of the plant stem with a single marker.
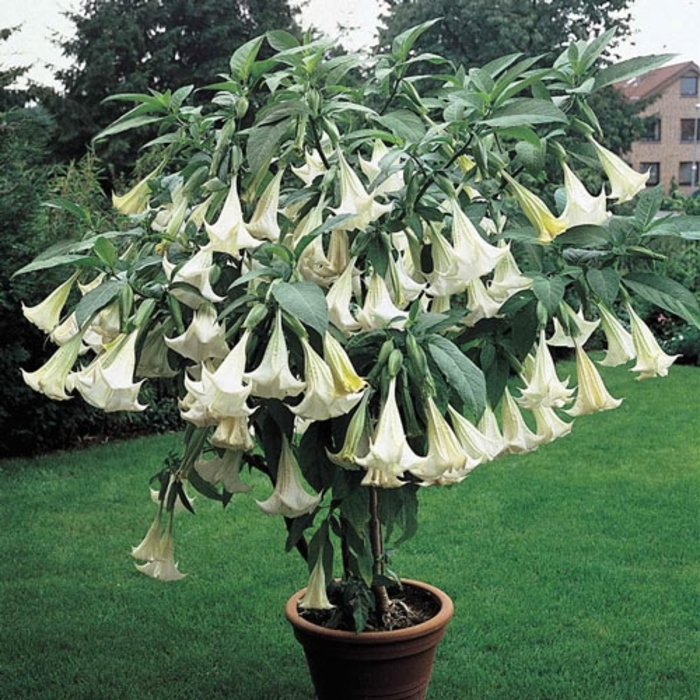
(377, 544)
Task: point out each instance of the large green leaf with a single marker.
(549, 291)
(305, 301)
(244, 57)
(525, 110)
(404, 124)
(97, 299)
(605, 283)
(665, 293)
(459, 371)
(630, 69)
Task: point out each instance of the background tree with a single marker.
(474, 32)
(124, 46)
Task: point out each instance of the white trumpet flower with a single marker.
(478, 447)
(315, 596)
(379, 310)
(273, 379)
(620, 344)
(581, 328)
(581, 207)
(50, 378)
(263, 223)
(592, 395)
(338, 300)
(652, 361)
(389, 453)
(516, 433)
(543, 386)
(229, 233)
(47, 314)
(289, 497)
(225, 470)
(204, 338)
(196, 272)
(625, 183)
(549, 426)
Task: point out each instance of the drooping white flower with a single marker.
(65, 330)
(379, 310)
(402, 287)
(582, 208)
(263, 223)
(625, 183)
(480, 303)
(488, 426)
(549, 425)
(356, 441)
(592, 395)
(543, 387)
(225, 469)
(233, 433)
(516, 433)
(149, 547)
(135, 200)
(163, 567)
(578, 325)
(652, 361)
(205, 337)
(228, 234)
(324, 398)
(547, 226)
(312, 168)
(468, 257)
(477, 446)
(104, 328)
(47, 314)
(507, 279)
(289, 498)
(219, 394)
(50, 378)
(315, 597)
(196, 272)
(620, 344)
(345, 377)
(446, 461)
(108, 381)
(389, 453)
(373, 169)
(338, 300)
(356, 201)
(273, 379)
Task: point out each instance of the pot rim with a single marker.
(440, 619)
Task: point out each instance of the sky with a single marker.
(658, 26)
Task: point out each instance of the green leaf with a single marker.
(96, 300)
(402, 43)
(121, 125)
(105, 251)
(665, 293)
(605, 283)
(459, 371)
(71, 207)
(630, 69)
(263, 142)
(525, 110)
(549, 291)
(244, 57)
(647, 208)
(305, 301)
(57, 261)
(404, 124)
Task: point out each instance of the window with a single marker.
(687, 174)
(689, 86)
(688, 130)
(654, 170)
(653, 129)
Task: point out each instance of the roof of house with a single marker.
(655, 81)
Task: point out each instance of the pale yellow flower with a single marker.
(625, 183)
(652, 361)
(620, 344)
(204, 338)
(196, 272)
(50, 378)
(543, 386)
(516, 433)
(47, 314)
(263, 223)
(592, 395)
(547, 226)
(135, 200)
(315, 596)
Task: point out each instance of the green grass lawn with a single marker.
(575, 572)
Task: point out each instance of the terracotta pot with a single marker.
(394, 665)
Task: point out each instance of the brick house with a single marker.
(671, 147)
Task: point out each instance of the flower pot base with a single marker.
(393, 665)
